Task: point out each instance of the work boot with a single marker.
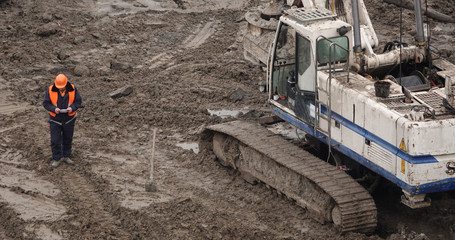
(55, 163)
(68, 160)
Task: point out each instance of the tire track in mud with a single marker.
(182, 213)
(191, 42)
(195, 40)
(95, 210)
(12, 227)
(89, 209)
(200, 186)
(8, 106)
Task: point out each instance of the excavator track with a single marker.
(329, 194)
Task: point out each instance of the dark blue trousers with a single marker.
(61, 139)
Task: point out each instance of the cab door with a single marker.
(305, 107)
(293, 74)
(283, 68)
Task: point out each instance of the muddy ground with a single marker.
(182, 60)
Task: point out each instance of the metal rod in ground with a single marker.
(150, 185)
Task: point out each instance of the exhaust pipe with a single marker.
(418, 14)
(355, 18)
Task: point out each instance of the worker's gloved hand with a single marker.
(57, 110)
(69, 109)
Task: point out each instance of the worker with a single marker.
(62, 100)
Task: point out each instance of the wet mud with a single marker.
(182, 60)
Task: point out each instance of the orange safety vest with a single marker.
(54, 97)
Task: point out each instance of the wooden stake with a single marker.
(153, 155)
(150, 185)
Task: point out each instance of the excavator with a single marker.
(388, 114)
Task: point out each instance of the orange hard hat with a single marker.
(60, 81)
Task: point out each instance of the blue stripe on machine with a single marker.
(442, 185)
(415, 159)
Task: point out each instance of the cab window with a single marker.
(339, 55)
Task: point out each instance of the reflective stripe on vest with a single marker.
(54, 97)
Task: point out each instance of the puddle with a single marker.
(189, 146)
(226, 113)
(287, 131)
